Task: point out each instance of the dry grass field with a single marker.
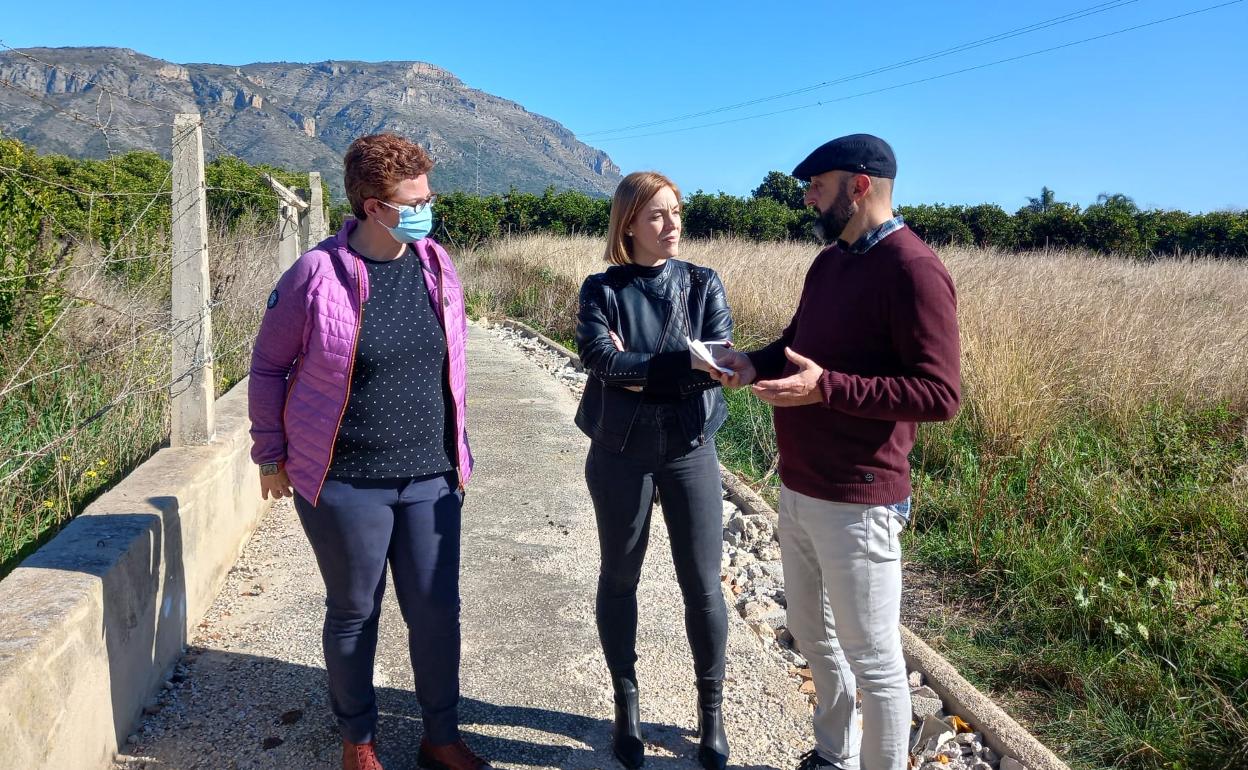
(1044, 335)
(1091, 496)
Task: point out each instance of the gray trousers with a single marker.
(842, 580)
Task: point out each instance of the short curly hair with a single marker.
(375, 165)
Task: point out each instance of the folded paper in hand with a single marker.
(703, 353)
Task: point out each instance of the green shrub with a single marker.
(938, 225)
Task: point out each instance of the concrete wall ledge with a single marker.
(91, 622)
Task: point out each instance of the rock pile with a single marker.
(752, 573)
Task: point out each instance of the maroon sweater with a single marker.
(883, 325)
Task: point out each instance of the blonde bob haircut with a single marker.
(635, 191)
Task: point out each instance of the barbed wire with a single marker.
(159, 328)
(104, 127)
(76, 190)
(137, 258)
(31, 456)
(173, 330)
(87, 78)
(266, 194)
(78, 117)
(311, 69)
(196, 367)
(122, 327)
(60, 316)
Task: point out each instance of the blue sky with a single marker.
(1160, 114)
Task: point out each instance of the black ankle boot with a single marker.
(626, 740)
(712, 741)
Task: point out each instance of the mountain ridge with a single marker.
(300, 116)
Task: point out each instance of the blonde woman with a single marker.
(651, 411)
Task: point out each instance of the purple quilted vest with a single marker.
(305, 351)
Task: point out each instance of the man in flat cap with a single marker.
(871, 352)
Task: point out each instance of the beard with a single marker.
(831, 223)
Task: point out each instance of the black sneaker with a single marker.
(811, 760)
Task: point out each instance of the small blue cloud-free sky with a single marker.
(1159, 113)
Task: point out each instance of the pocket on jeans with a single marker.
(884, 527)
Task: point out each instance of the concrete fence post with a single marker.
(191, 391)
(305, 223)
(292, 224)
(288, 238)
(315, 216)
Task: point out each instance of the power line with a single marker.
(931, 78)
(1037, 26)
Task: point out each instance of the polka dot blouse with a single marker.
(399, 421)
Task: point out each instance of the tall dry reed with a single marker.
(1046, 337)
(96, 396)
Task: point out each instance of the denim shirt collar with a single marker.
(868, 240)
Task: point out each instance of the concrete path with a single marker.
(250, 691)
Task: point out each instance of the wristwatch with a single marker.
(270, 469)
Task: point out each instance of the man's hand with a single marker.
(743, 372)
(276, 486)
(796, 389)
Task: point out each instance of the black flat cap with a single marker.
(857, 153)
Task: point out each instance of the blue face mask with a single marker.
(414, 223)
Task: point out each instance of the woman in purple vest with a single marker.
(357, 399)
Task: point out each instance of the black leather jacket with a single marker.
(651, 317)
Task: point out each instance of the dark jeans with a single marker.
(357, 527)
(622, 486)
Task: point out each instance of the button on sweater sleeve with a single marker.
(922, 318)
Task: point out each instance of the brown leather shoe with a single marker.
(360, 756)
(450, 756)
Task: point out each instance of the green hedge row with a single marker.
(774, 211)
(51, 204)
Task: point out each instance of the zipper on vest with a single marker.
(359, 327)
(443, 302)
